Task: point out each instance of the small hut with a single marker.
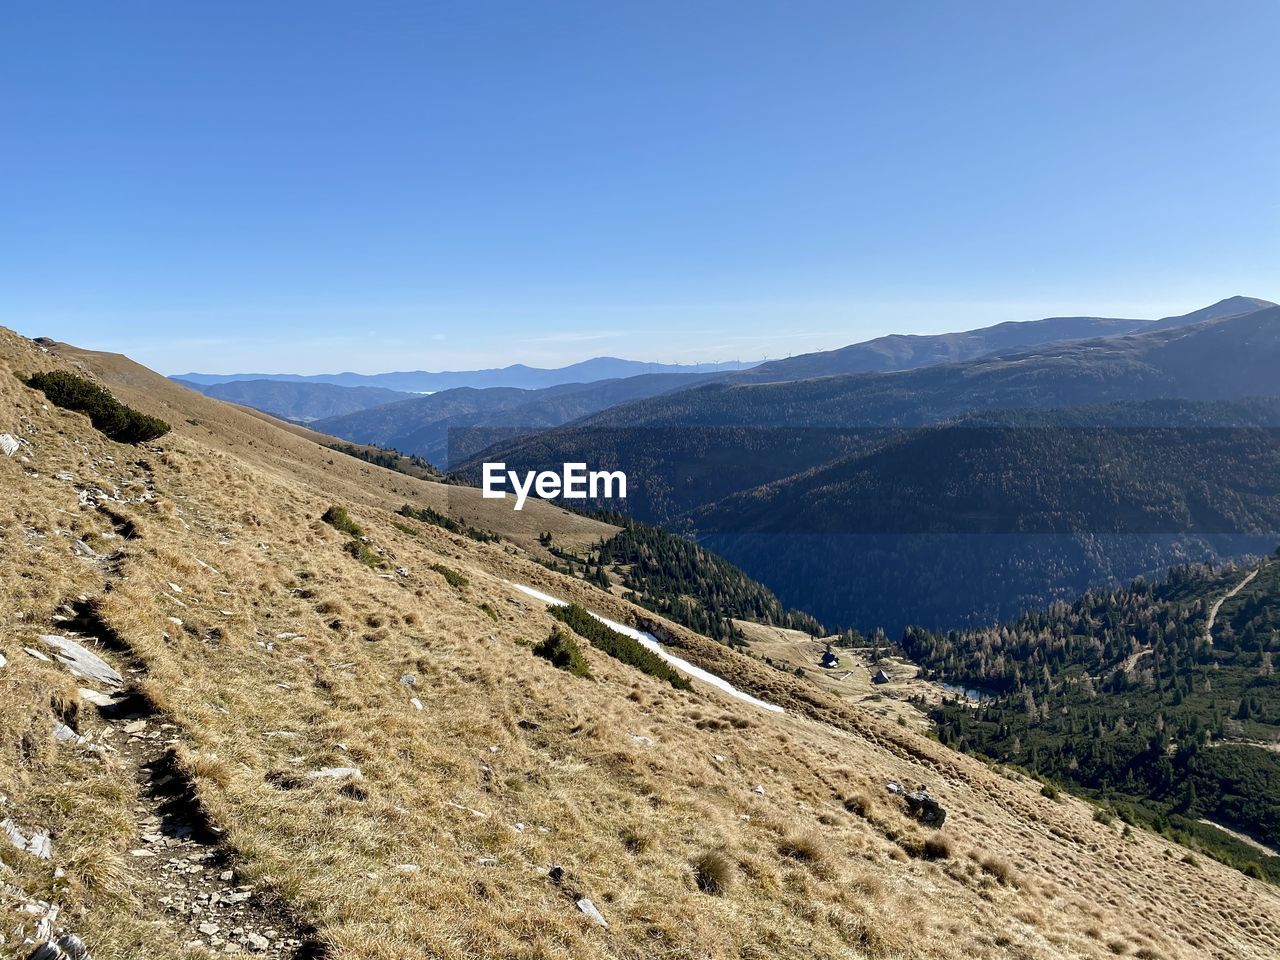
(830, 660)
(880, 677)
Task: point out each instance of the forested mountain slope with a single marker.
(1160, 699)
(449, 426)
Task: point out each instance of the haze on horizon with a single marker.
(320, 187)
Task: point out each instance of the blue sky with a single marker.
(368, 186)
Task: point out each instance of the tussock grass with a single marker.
(715, 872)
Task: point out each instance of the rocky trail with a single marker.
(188, 877)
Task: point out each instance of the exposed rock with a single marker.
(96, 698)
(82, 662)
(8, 444)
(73, 947)
(336, 773)
(38, 844)
(655, 629)
(64, 734)
(922, 805)
(256, 942)
(589, 908)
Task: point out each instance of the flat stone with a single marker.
(96, 698)
(81, 661)
(336, 773)
(8, 444)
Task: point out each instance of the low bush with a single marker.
(362, 553)
(338, 518)
(119, 422)
(451, 576)
(436, 518)
(563, 652)
(618, 645)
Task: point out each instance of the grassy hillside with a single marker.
(1160, 700)
(366, 759)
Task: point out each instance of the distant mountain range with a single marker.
(298, 401)
(517, 376)
(904, 352)
(786, 479)
(468, 419)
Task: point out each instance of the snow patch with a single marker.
(648, 641)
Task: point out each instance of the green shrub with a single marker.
(619, 646)
(563, 652)
(435, 517)
(338, 518)
(487, 607)
(106, 413)
(364, 554)
(451, 576)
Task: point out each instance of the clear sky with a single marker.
(316, 186)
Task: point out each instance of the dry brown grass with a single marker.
(715, 872)
(512, 765)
